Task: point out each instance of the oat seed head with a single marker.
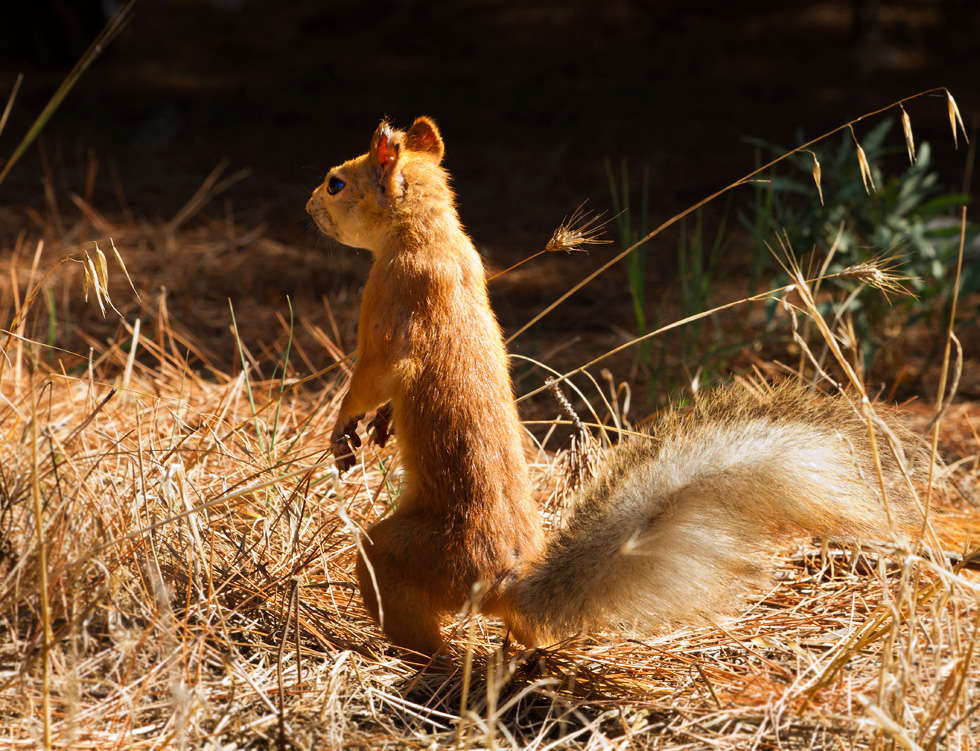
(96, 275)
(867, 179)
(816, 175)
(907, 129)
(122, 265)
(955, 118)
(92, 277)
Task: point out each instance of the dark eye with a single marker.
(335, 185)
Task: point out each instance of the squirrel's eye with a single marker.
(335, 185)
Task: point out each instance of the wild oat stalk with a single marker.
(942, 399)
(883, 622)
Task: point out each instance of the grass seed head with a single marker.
(879, 274)
(869, 182)
(954, 118)
(909, 140)
(581, 228)
(579, 463)
(816, 176)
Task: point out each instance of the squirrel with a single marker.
(665, 532)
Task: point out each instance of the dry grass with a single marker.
(176, 556)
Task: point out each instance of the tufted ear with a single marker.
(424, 136)
(384, 147)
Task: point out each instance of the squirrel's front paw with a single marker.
(345, 442)
(382, 425)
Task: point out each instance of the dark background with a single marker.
(531, 97)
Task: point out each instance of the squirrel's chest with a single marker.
(405, 311)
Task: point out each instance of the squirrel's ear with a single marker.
(424, 136)
(384, 148)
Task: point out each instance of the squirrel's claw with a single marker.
(345, 443)
(382, 425)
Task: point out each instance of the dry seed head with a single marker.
(581, 228)
(122, 265)
(907, 128)
(874, 274)
(102, 267)
(863, 272)
(846, 335)
(866, 178)
(954, 118)
(577, 465)
(816, 176)
(869, 183)
(96, 274)
(92, 277)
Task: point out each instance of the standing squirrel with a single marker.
(662, 535)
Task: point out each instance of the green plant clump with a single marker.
(907, 218)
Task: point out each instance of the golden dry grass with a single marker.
(176, 557)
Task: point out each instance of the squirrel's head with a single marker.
(392, 187)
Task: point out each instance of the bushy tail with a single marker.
(677, 524)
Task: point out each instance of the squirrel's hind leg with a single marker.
(406, 568)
